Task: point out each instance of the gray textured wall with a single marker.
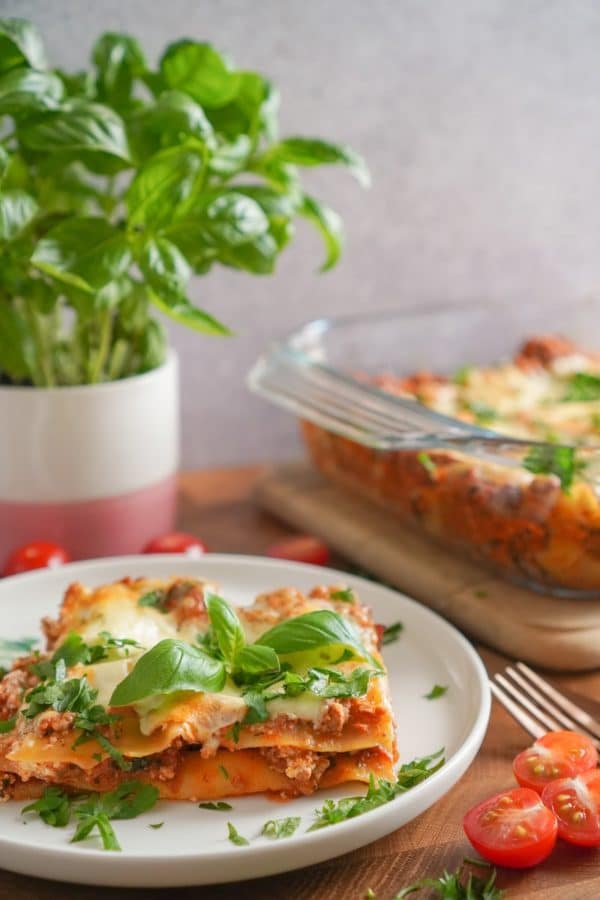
(480, 121)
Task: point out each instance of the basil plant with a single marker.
(120, 182)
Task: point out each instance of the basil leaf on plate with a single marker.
(171, 665)
(322, 633)
(253, 661)
(226, 627)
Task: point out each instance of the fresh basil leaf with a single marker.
(119, 59)
(258, 255)
(20, 42)
(329, 225)
(328, 683)
(164, 183)
(198, 70)
(26, 90)
(170, 666)
(302, 151)
(17, 210)
(4, 163)
(231, 218)
(281, 828)
(252, 111)
(253, 661)
(231, 158)
(87, 253)
(79, 126)
(173, 118)
(226, 627)
(181, 310)
(321, 633)
(165, 268)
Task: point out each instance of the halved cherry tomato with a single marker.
(558, 754)
(176, 542)
(576, 804)
(512, 829)
(303, 548)
(37, 555)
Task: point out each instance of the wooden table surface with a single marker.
(217, 506)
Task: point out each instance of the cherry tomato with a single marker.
(37, 555)
(176, 542)
(304, 548)
(512, 829)
(576, 804)
(557, 754)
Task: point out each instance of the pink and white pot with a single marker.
(92, 467)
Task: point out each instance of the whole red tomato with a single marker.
(37, 555)
(176, 542)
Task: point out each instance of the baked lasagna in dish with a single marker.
(536, 518)
(168, 683)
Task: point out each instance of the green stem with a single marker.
(44, 376)
(103, 347)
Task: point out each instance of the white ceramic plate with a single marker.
(192, 846)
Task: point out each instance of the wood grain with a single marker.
(556, 634)
(217, 506)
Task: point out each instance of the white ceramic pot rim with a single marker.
(169, 361)
(86, 442)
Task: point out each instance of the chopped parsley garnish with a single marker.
(7, 725)
(427, 462)
(280, 828)
(53, 807)
(454, 885)
(224, 772)
(559, 461)
(346, 595)
(438, 690)
(582, 388)
(379, 792)
(157, 599)
(219, 806)
(482, 411)
(156, 825)
(129, 800)
(462, 375)
(235, 837)
(391, 633)
(94, 812)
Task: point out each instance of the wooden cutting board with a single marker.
(555, 634)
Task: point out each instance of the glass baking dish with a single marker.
(464, 484)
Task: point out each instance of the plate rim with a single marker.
(273, 858)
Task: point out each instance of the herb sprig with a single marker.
(94, 812)
(459, 885)
(560, 461)
(379, 792)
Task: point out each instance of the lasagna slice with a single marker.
(166, 682)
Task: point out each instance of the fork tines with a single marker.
(537, 705)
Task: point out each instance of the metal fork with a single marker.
(537, 706)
